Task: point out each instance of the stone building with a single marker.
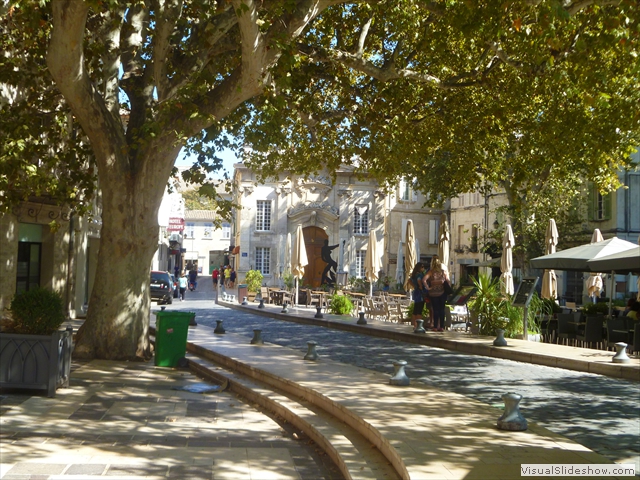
(36, 253)
(340, 212)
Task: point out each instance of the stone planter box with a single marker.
(38, 362)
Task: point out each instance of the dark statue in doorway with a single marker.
(329, 272)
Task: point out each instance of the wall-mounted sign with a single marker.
(244, 254)
(176, 224)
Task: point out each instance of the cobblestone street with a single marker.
(599, 412)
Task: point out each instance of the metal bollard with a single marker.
(512, 419)
(399, 376)
(621, 353)
(500, 341)
(261, 303)
(257, 337)
(318, 312)
(361, 319)
(285, 308)
(219, 328)
(311, 351)
(419, 328)
(244, 301)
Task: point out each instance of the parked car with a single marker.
(161, 287)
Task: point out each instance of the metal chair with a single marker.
(313, 299)
(566, 329)
(616, 332)
(592, 331)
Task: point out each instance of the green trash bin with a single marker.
(172, 329)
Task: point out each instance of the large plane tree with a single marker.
(455, 94)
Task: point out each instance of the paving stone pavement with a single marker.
(125, 420)
(599, 412)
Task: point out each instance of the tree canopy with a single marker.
(456, 94)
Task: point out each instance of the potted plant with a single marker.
(253, 280)
(34, 352)
(340, 305)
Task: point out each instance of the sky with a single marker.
(228, 159)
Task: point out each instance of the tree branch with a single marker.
(363, 37)
(167, 14)
(65, 59)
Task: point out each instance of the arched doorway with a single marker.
(314, 238)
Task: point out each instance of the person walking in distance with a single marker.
(434, 284)
(214, 275)
(182, 285)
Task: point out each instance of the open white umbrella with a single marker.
(400, 264)
(372, 261)
(298, 259)
(575, 259)
(506, 264)
(410, 257)
(444, 237)
(625, 262)
(549, 279)
(594, 282)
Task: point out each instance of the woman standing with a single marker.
(434, 284)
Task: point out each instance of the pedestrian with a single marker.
(227, 275)
(232, 278)
(215, 275)
(418, 293)
(434, 284)
(193, 279)
(182, 284)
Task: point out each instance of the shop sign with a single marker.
(176, 224)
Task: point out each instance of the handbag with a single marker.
(448, 289)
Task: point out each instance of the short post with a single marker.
(219, 328)
(399, 376)
(318, 312)
(512, 419)
(257, 337)
(361, 319)
(244, 301)
(500, 340)
(621, 353)
(311, 351)
(284, 308)
(419, 328)
(261, 303)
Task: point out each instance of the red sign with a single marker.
(176, 224)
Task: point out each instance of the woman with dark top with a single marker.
(434, 284)
(417, 294)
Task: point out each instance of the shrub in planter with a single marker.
(253, 279)
(34, 353)
(340, 305)
(37, 312)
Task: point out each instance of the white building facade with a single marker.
(340, 212)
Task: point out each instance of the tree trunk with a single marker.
(117, 324)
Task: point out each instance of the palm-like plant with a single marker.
(488, 304)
